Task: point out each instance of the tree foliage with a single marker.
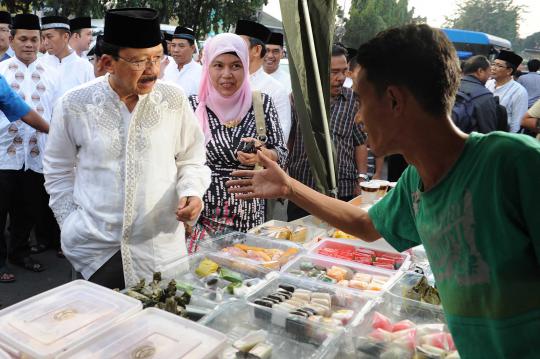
(369, 17)
(495, 17)
(532, 41)
(201, 15)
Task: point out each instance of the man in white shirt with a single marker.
(74, 71)
(21, 146)
(256, 36)
(511, 94)
(140, 157)
(81, 34)
(274, 54)
(183, 71)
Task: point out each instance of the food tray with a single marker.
(152, 333)
(398, 326)
(294, 268)
(341, 299)
(253, 276)
(235, 320)
(343, 244)
(47, 324)
(403, 288)
(312, 236)
(217, 246)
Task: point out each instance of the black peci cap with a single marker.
(26, 22)
(510, 57)
(54, 22)
(253, 29)
(78, 23)
(132, 27)
(5, 17)
(182, 32)
(276, 38)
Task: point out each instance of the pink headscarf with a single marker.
(230, 108)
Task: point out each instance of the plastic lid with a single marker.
(152, 333)
(49, 323)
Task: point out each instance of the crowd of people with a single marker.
(140, 160)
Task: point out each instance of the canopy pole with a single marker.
(311, 44)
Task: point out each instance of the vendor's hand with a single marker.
(249, 159)
(271, 182)
(188, 209)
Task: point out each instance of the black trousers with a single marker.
(46, 227)
(17, 202)
(110, 275)
(294, 212)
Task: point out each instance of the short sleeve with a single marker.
(11, 104)
(393, 217)
(534, 111)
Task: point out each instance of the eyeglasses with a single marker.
(3, 29)
(499, 66)
(141, 64)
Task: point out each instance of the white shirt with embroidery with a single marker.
(74, 70)
(261, 81)
(37, 84)
(115, 177)
(188, 78)
(514, 97)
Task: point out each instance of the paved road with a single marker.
(29, 283)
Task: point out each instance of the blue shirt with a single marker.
(531, 82)
(11, 104)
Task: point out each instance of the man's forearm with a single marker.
(34, 120)
(339, 214)
(529, 122)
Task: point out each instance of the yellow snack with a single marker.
(341, 234)
(206, 267)
(299, 234)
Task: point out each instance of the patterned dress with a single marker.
(221, 211)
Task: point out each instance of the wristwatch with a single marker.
(363, 177)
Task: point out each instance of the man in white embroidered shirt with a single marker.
(139, 153)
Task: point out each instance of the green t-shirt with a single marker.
(480, 226)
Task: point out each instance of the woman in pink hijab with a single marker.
(225, 111)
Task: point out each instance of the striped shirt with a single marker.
(346, 136)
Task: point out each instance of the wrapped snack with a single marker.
(343, 315)
(206, 267)
(249, 341)
(230, 275)
(404, 324)
(406, 338)
(380, 335)
(299, 234)
(441, 340)
(260, 351)
(380, 321)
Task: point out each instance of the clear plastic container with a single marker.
(4, 355)
(350, 246)
(324, 264)
(152, 333)
(222, 244)
(341, 299)
(45, 325)
(399, 327)
(403, 288)
(252, 275)
(311, 236)
(235, 320)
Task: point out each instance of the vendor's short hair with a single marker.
(475, 63)
(533, 65)
(338, 50)
(427, 65)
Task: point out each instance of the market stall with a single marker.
(286, 290)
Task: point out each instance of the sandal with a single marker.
(29, 263)
(38, 248)
(6, 276)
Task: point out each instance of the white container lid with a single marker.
(152, 333)
(45, 325)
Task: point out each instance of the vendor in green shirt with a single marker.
(473, 201)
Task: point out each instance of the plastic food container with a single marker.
(152, 333)
(4, 355)
(356, 277)
(235, 320)
(47, 324)
(341, 300)
(400, 328)
(249, 276)
(402, 287)
(307, 237)
(227, 246)
(355, 251)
